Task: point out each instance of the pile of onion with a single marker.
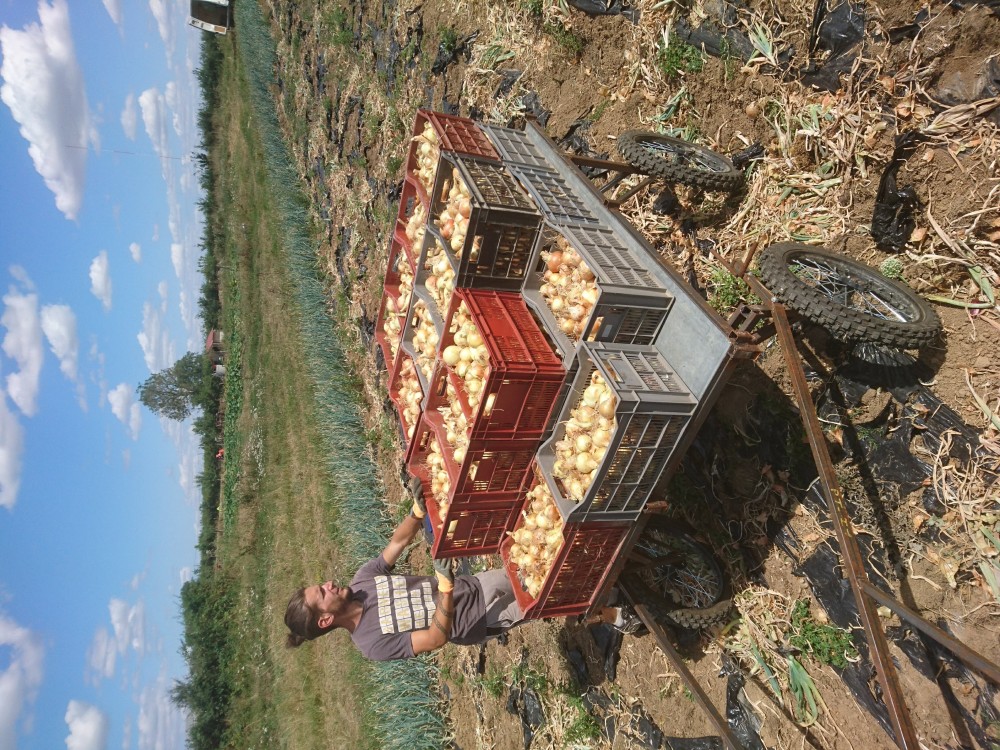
(405, 281)
(569, 288)
(410, 395)
(440, 279)
(415, 226)
(425, 338)
(393, 326)
(440, 484)
(453, 222)
(468, 356)
(455, 423)
(538, 538)
(588, 432)
(427, 153)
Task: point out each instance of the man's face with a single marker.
(325, 598)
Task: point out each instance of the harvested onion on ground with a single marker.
(440, 280)
(538, 539)
(425, 338)
(410, 396)
(405, 281)
(569, 288)
(427, 152)
(393, 327)
(468, 356)
(440, 483)
(455, 423)
(588, 432)
(453, 221)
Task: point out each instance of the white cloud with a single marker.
(177, 257)
(154, 113)
(157, 349)
(20, 680)
(23, 344)
(114, 9)
(129, 624)
(160, 723)
(126, 408)
(130, 117)
(186, 574)
(156, 233)
(135, 250)
(88, 727)
(43, 86)
(161, 12)
(59, 327)
(11, 450)
(100, 279)
(101, 656)
(163, 289)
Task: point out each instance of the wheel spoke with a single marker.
(846, 290)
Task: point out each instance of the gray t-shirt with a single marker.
(395, 605)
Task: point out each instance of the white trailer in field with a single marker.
(211, 15)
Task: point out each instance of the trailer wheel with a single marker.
(678, 578)
(677, 160)
(853, 302)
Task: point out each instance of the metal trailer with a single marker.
(211, 15)
(704, 349)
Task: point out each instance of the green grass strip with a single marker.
(405, 711)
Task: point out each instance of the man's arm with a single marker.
(438, 633)
(408, 528)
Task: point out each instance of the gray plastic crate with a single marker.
(631, 305)
(653, 409)
(406, 341)
(555, 198)
(514, 147)
(503, 223)
(431, 238)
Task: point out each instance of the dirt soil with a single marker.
(915, 449)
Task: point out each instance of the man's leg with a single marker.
(502, 610)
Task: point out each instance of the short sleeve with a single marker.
(377, 566)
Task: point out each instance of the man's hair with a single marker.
(301, 620)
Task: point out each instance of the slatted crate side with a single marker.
(514, 147)
(456, 134)
(432, 251)
(631, 306)
(413, 194)
(503, 223)
(420, 300)
(554, 197)
(652, 409)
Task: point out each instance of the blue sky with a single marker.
(99, 244)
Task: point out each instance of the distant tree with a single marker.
(171, 393)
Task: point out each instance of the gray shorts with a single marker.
(502, 612)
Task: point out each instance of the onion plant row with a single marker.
(404, 709)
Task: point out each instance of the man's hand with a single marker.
(445, 574)
(416, 489)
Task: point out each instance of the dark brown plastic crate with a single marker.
(503, 224)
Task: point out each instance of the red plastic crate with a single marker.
(395, 380)
(524, 375)
(458, 134)
(578, 571)
(492, 470)
(470, 526)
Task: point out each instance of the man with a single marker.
(393, 616)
